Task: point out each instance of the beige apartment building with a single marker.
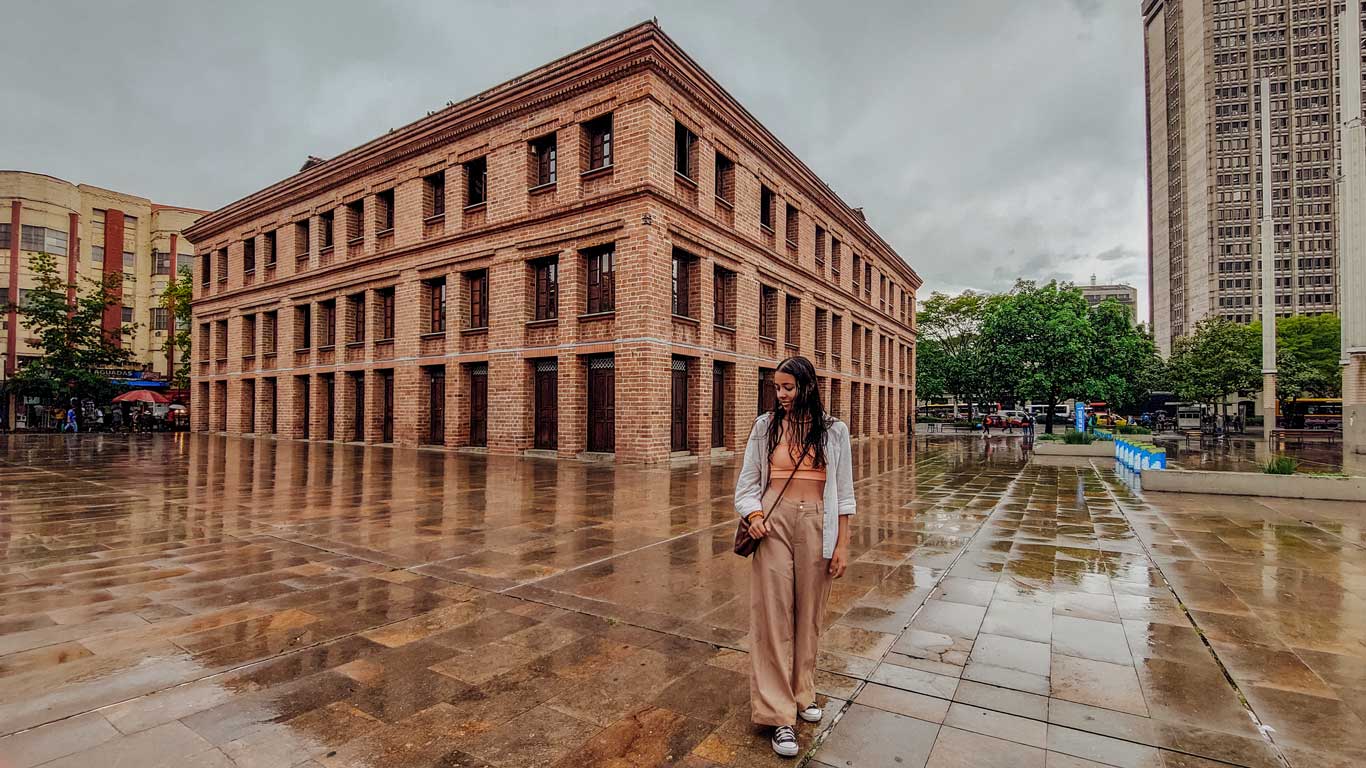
(1203, 63)
(91, 232)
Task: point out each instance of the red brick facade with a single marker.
(280, 349)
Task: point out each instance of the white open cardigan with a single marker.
(839, 478)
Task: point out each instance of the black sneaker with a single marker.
(784, 741)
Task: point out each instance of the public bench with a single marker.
(1299, 436)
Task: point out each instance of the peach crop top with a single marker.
(781, 463)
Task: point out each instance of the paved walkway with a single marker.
(205, 601)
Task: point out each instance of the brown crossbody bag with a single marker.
(745, 545)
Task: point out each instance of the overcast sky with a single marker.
(985, 139)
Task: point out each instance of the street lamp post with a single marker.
(1268, 278)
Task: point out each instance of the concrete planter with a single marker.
(1255, 484)
(1063, 449)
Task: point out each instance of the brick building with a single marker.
(607, 254)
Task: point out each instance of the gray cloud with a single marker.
(985, 140)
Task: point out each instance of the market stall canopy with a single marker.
(140, 396)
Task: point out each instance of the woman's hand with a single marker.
(757, 528)
(840, 562)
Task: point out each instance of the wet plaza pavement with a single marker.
(208, 601)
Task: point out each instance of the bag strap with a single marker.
(798, 463)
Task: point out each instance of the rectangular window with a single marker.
(834, 257)
(477, 284)
(768, 312)
(436, 304)
(358, 317)
(302, 242)
(766, 203)
(791, 233)
(868, 279)
(546, 274)
(685, 151)
(384, 211)
(476, 182)
(355, 222)
(836, 335)
(249, 335)
(130, 262)
(269, 255)
(96, 253)
(50, 241)
(725, 178)
(682, 283)
(327, 323)
(205, 267)
(160, 319)
(303, 326)
(882, 293)
(792, 333)
(857, 272)
(598, 133)
(248, 255)
(822, 331)
(723, 298)
(4, 235)
(601, 279)
(434, 195)
(820, 249)
(269, 324)
(544, 161)
(161, 263)
(386, 313)
(855, 342)
(325, 229)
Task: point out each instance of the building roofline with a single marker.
(632, 46)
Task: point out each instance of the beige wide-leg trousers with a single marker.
(789, 587)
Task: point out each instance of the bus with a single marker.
(1311, 413)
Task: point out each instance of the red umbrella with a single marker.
(140, 396)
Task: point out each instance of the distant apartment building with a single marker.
(607, 255)
(1203, 64)
(91, 232)
(1126, 295)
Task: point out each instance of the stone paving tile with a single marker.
(260, 602)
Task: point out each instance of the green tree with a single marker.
(1219, 359)
(1314, 343)
(1037, 344)
(1125, 365)
(931, 370)
(70, 336)
(951, 325)
(176, 298)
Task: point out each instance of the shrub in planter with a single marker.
(1077, 438)
(1048, 437)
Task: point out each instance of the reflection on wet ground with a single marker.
(209, 601)
(1246, 453)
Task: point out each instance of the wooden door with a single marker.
(547, 405)
(718, 406)
(307, 414)
(678, 419)
(329, 393)
(767, 397)
(387, 405)
(602, 405)
(436, 406)
(358, 428)
(479, 406)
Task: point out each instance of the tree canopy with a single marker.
(70, 335)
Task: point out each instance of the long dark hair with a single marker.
(806, 408)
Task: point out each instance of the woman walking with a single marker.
(795, 491)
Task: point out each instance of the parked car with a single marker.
(1003, 419)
